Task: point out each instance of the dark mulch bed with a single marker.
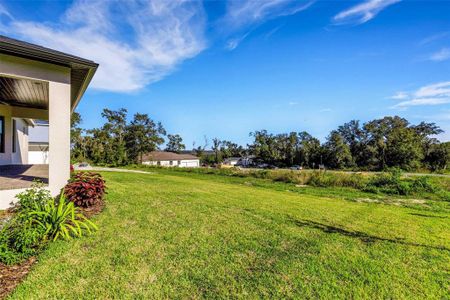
(93, 210)
(11, 276)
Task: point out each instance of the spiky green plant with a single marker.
(60, 219)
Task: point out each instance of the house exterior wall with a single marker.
(184, 163)
(20, 157)
(5, 158)
(58, 114)
(38, 157)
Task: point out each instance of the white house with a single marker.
(37, 83)
(231, 161)
(170, 159)
(38, 143)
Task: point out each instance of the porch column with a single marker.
(59, 135)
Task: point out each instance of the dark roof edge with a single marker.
(83, 88)
(40, 53)
(35, 52)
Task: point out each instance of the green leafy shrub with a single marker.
(38, 220)
(37, 194)
(85, 189)
(59, 220)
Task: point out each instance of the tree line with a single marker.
(118, 142)
(375, 145)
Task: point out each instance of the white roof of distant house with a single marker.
(164, 155)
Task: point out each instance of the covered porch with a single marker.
(37, 83)
(22, 176)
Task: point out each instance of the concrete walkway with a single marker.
(106, 169)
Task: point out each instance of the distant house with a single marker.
(170, 159)
(231, 161)
(38, 143)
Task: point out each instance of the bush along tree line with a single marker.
(38, 218)
(380, 144)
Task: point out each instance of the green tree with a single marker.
(338, 153)
(216, 148)
(175, 143)
(309, 150)
(438, 157)
(116, 127)
(143, 135)
(377, 132)
(77, 144)
(403, 149)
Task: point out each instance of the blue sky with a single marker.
(223, 69)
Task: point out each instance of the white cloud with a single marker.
(433, 94)
(244, 15)
(362, 12)
(133, 51)
(441, 55)
(234, 42)
(326, 110)
(434, 37)
(247, 12)
(292, 103)
(399, 96)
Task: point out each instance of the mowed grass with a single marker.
(164, 235)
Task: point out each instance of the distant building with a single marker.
(231, 161)
(38, 143)
(170, 159)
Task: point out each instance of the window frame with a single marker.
(2, 134)
(14, 135)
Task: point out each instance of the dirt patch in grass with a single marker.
(11, 276)
(397, 202)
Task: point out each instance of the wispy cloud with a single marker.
(434, 37)
(242, 16)
(247, 12)
(325, 110)
(440, 55)
(160, 35)
(234, 42)
(433, 94)
(399, 96)
(362, 12)
(292, 103)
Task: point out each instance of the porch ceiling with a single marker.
(23, 92)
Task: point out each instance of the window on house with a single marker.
(14, 136)
(171, 162)
(2, 134)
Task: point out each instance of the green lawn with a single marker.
(170, 235)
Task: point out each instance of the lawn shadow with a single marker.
(428, 216)
(364, 237)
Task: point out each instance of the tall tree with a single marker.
(76, 139)
(216, 148)
(175, 143)
(377, 132)
(338, 152)
(144, 135)
(116, 127)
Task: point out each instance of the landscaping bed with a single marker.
(39, 219)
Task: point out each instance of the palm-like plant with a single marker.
(60, 220)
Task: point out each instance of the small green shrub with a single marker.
(38, 220)
(59, 220)
(37, 194)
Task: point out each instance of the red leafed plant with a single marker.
(85, 189)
